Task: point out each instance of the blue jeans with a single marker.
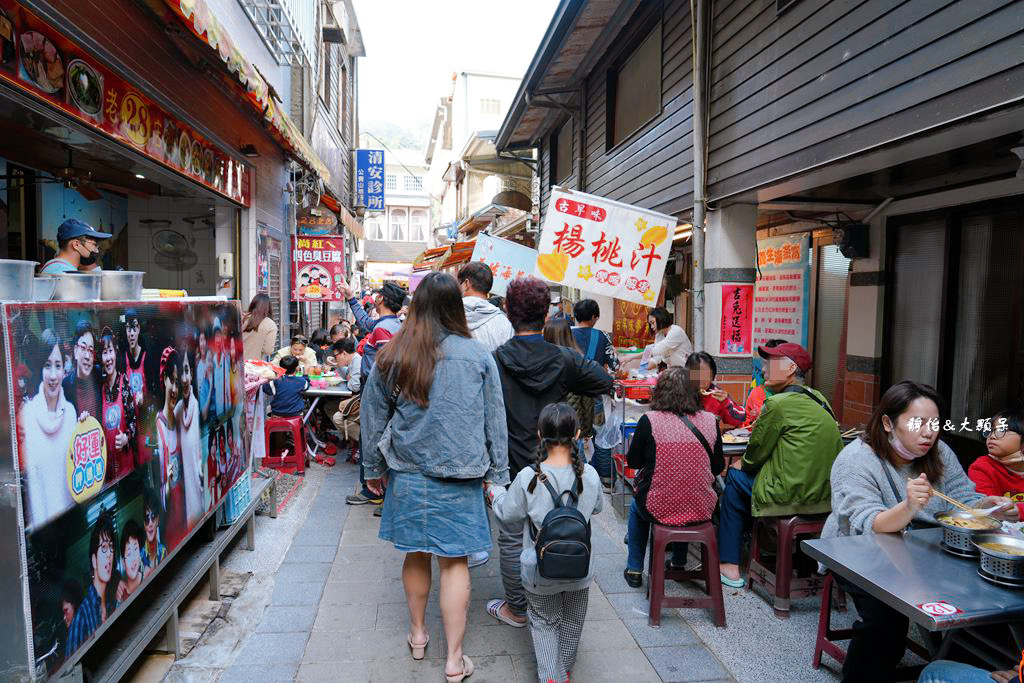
(602, 458)
(734, 515)
(639, 530)
(944, 671)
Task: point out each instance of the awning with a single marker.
(481, 219)
(444, 257)
(197, 16)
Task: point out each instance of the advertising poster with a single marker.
(48, 65)
(370, 178)
(629, 327)
(507, 260)
(319, 266)
(782, 296)
(737, 311)
(605, 247)
(129, 434)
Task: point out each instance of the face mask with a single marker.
(88, 260)
(902, 450)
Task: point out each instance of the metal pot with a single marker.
(16, 279)
(77, 287)
(957, 538)
(998, 563)
(121, 285)
(43, 287)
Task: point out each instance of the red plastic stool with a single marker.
(789, 529)
(294, 461)
(704, 534)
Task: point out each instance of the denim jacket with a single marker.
(461, 434)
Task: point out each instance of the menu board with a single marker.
(128, 436)
(629, 326)
(36, 58)
(782, 296)
(318, 268)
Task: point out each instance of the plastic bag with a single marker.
(609, 435)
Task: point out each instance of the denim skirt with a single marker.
(445, 517)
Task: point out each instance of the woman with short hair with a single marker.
(671, 345)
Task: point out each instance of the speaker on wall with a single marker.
(854, 240)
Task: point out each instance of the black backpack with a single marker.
(563, 541)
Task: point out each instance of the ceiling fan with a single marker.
(79, 180)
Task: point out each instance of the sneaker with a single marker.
(361, 499)
(378, 511)
(477, 559)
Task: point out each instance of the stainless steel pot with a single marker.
(959, 538)
(43, 287)
(997, 561)
(77, 287)
(121, 285)
(16, 279)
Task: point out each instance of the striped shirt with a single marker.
(87, 619)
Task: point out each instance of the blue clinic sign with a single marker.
(370, 178)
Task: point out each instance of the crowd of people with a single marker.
(466, 402)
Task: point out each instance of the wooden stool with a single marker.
(294, 461)
(781, 581)
(704, 534)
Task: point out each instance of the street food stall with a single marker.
(125, 439)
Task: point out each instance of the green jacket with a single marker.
(792, 447)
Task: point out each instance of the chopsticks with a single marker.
(951, 501)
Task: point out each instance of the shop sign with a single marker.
(603, 246)
(318, 267)
(782, 296)
(737, 309)
(37, 59)
(317, 221)
(507, 260)
(370, 178)
(629, 326)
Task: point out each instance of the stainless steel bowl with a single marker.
(959, 538)
(121, 285)
(77, 287)
(998, 563)
(16, 279)
(43, 287)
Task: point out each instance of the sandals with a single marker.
(494, 609)
(418, 651)
(732, 583)
(467, 671)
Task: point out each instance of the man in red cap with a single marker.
(785, 470)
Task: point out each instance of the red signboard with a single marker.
(318, 266)
(37, 59)
(737, 307)
(630, 325)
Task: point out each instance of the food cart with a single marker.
(125, 437)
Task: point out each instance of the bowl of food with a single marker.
(41, 62)
(1002, 555)
(333, 381)
(85, 87)
(960, 527)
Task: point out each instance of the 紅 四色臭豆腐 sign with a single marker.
(605, 247)
(318, 268)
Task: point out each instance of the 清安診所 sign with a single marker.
(370, 178)
(506, 259)
(604, 247)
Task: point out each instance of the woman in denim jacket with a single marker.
(440, 391)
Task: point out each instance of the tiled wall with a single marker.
(161, 272)
(860, 394)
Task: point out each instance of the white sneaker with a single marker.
(477, 559)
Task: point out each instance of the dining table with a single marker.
(315, 394)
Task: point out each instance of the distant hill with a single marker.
(407, 135)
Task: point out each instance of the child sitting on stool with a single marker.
(287, 391)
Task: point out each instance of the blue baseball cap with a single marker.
(73, 228)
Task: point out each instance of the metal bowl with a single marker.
(1001, 564)
(43, 287)
(16, 279)
(121, 285)
(959, 538)
(77, 287)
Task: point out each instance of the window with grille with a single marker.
(413, 182)
(490, 106)
(391, 182)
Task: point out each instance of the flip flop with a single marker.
(732, 583)
(494, 609)
(418, 651)
(329, 461)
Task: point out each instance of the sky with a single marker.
(414, 46)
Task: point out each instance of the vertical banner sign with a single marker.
(630, 325)
(507, 260)
(370, 178)
(737, 310)
(605, 247)
(318, 268)
(782, 299)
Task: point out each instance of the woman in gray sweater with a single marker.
(883, 483)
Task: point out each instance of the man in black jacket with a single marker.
(534, 373)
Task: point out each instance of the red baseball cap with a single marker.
(794, 352)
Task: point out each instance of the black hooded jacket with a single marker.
(535, 373)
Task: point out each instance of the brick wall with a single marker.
(738, 386)
(860, 395)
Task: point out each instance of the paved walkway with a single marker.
(337, 612)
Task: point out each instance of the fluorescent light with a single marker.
(140, 176)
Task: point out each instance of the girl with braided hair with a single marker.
(556, 607)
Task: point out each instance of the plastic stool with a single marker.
(704, 534)
(781, 581)
(294, 461)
